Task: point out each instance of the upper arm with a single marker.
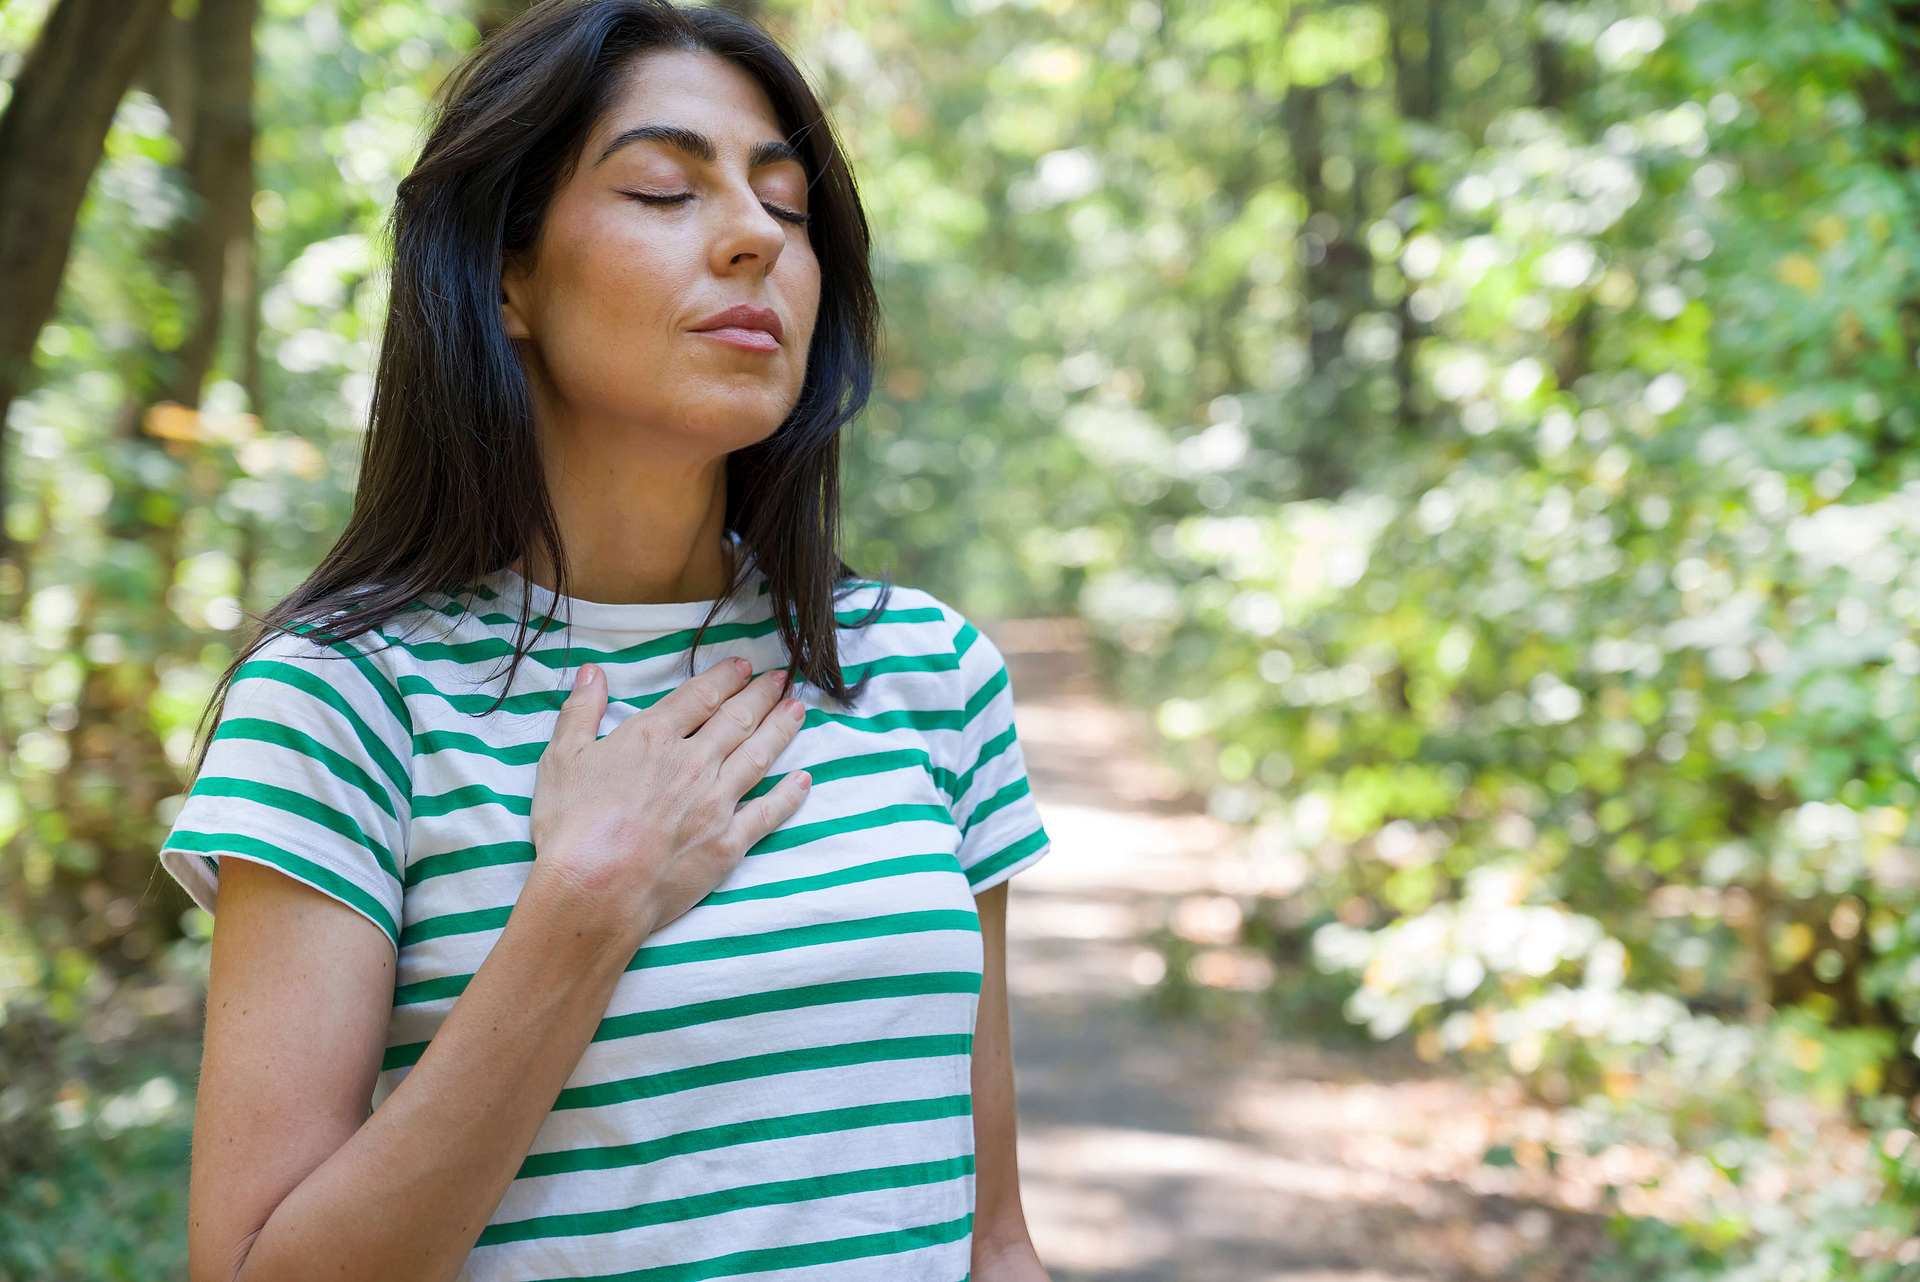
(992, 1043)
(298, 997)
(294, 836)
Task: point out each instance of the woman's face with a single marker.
(681, 206)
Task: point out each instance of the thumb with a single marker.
(579, 720)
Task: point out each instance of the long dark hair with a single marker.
(451, 487)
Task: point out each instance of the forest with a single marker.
(1483, 435)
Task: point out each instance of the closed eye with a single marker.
(785, 215)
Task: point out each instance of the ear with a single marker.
(513, 299)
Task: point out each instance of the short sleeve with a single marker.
(308, 771)
(999, 821)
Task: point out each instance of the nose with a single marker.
(748, 236)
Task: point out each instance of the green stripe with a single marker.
(991, 749)
(900, 663)
(898, 866)
(538, 622)
(525, 704)
(255, 730)
(1006, 856)
(488, 856)
(964, 638)
(526, 752)
(514, 852)
(767, 941)
(851, 767)
(495, 918)
(824, 1122)
(998, 801)
(823, 932)
(899, 719)
(985, 694)
(640, 1023)
(534, 702)
(558, 658)
(467, 923)
(473, 794)
(290, 802)
(801, 834)
(774, 1064)
(807, 1188)
(530, 703)
(836, 992)
(309, 683)
(766, 1259)
(321, 878)
(368, 669)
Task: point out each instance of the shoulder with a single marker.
(936, 635)
(308, 646)
(906, 614)
(305, 670)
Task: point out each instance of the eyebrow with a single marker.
(701, 147)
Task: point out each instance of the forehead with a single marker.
(697, 90)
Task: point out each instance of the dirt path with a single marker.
(1180, 1151)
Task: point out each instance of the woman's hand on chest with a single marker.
(638, 826)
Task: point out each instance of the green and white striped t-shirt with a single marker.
(779, 1089)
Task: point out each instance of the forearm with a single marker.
(409, 1192)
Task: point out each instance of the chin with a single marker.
(732, 420)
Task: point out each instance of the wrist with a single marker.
(582, 915)
(1007, 1259)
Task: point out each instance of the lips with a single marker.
(743, 317)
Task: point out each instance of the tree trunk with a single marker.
(218, 230)
(50, 140)
(119, 770)
(1555, 85)
(1416, 40)
(1335, 278)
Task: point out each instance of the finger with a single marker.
(769, 810)
(686, 707)
(728, 728)
(579, 720)
(748, 764)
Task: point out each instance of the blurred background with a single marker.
(1444, 475)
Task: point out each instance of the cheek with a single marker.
(804, 293)
(610, 283)
(607, 308)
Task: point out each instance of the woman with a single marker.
(500, 832)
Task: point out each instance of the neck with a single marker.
(642, 517)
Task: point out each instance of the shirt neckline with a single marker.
(626, 616)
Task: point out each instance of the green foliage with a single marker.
(93, 1148)
(1497, 476)
(108, 1207)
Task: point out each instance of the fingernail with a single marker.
(589, 672)
(806, 781)
(797, 710)
(742, 664)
